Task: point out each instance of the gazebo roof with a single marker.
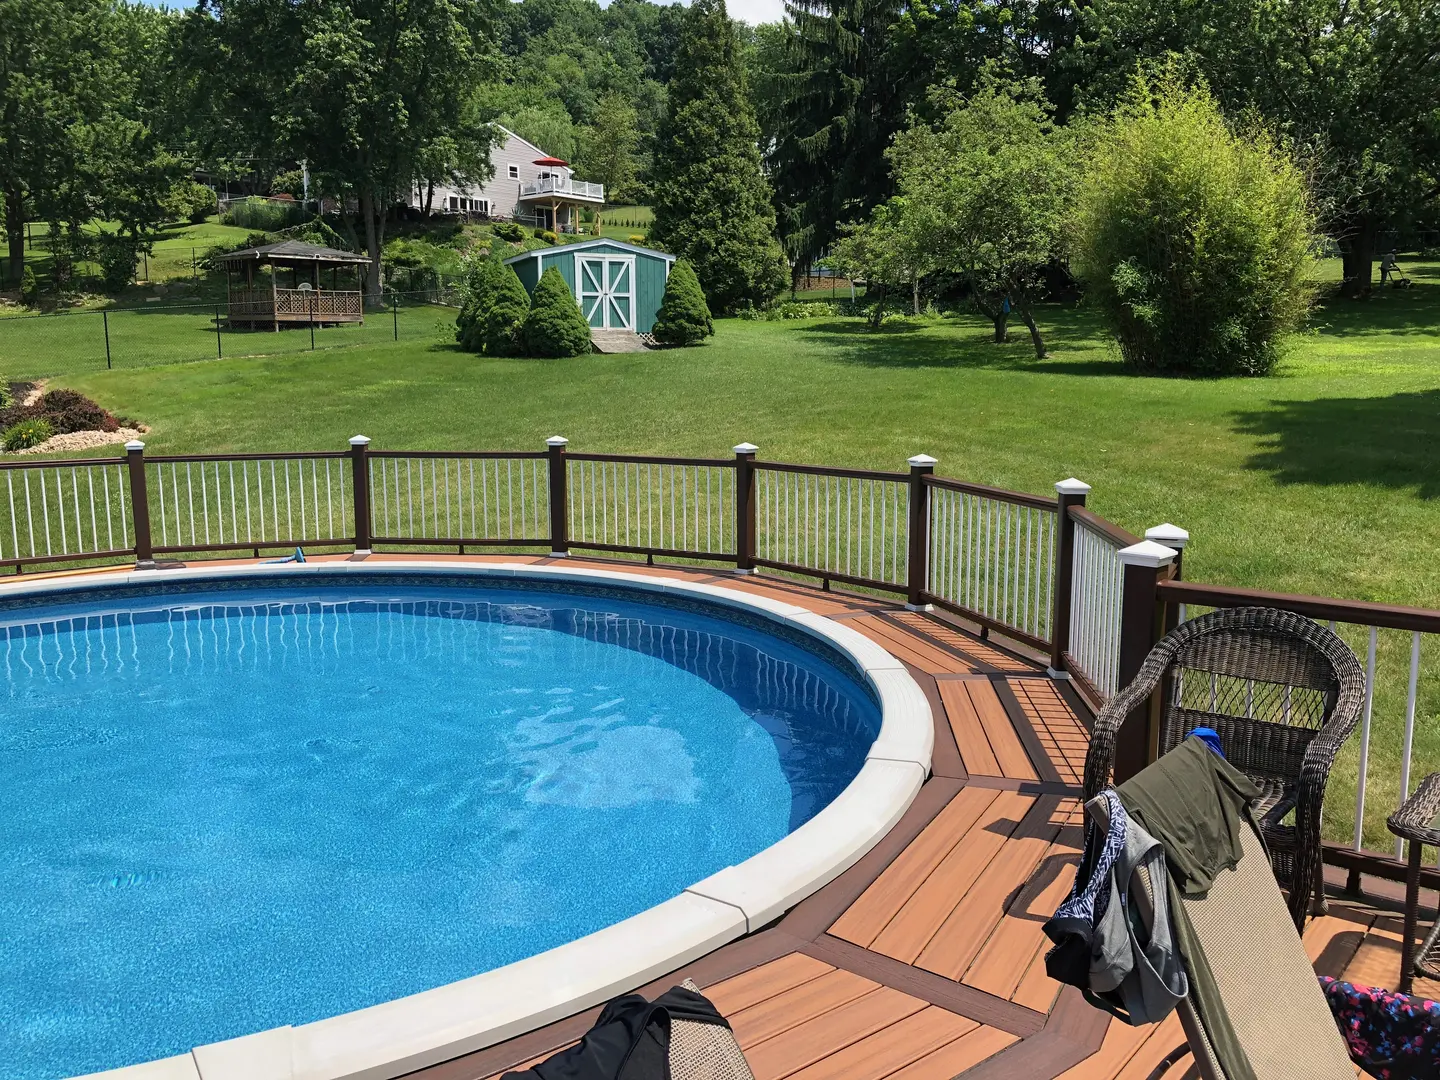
(288, 251)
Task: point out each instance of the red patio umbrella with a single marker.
(550, 161)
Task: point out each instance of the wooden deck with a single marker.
(925, 961)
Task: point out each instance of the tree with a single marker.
(607, 147)
(492, 309)
(683, 318)
(711, 199)
(361, 89)
(555, 325)
(1192, 235)
(888, 252)
(988, 192)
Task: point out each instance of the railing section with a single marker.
(681, 507)
(248, 501)
(1097, 583)
(475, 499)
(992, 556)
(64, 511)
(846, 525)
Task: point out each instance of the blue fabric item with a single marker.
(1210, 737)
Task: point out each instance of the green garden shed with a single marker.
(618, 286)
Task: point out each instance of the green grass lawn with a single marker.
(1324, 478)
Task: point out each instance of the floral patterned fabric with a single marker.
(1391, 1036)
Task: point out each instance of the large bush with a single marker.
(492, 309)
(683, 319)
(555, 325)
(190, 201)
(266, 215)
(1192, 236)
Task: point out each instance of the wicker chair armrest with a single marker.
(1100, 758)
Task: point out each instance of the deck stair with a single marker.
(616, 341)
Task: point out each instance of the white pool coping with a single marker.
(397, 1037)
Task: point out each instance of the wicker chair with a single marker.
(1283, 692)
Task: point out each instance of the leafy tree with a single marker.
(607, 147)
(711, 199)
(987, 192)
(683, 318)
(29, 287)
(1193, 236)
(888, 252)
(546, 124)
(555, 325)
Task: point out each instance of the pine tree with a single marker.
(683, 318)
(712, 201)
(500, 328)
(482, 283)
(555, 325)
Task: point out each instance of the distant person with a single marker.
(1388, 267)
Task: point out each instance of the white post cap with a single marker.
(921, 459)
(134, 444)
(746, 448)
(360, 440)
(557, 440)
(1172, 536)
(1072, 487)
(1147, 553)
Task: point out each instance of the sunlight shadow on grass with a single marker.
(1387, 311)
(1391, 442)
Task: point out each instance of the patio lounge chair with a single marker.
(1283, 692)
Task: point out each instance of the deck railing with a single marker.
(1046, 573)
(563, 185)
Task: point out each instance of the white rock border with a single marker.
(409, 1033)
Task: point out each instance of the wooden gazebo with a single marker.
(306, 299)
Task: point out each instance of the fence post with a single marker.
(395, 315)
(1175, 538)
(1068, 493)
(139, 505)
(745, 508)
(360, 491)
(917, 560)
(105, 318)
(219, 350)
(559, 497)
(1144, 566)
(312, 322)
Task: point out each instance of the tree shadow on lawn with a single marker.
(1415, 310)
(1390, 441)
(954, 344)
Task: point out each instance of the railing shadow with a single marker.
(1392, 441)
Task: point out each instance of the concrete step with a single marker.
(616, 341)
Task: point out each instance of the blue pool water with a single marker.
(221, 812)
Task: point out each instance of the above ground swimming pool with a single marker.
(231, 805)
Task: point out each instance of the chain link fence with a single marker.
(37, 346)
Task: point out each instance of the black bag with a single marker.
(630, 1040)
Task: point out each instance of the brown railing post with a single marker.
(1068, 493)
(360, 491)
(559, 497)
(917, 561)
(1175, 538)
(139, 506)
(745, 508)
(1145, 565)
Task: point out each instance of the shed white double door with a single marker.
(605, 287)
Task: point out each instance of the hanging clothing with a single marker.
(629, 1041)
(1111, 939)
(1195, 803)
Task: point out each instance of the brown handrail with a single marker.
(299, 455)
(652, 459)
(1108, 529)
(1357, 612)
(45, 463)
(1019, 498)
(825, 470)
(512, 455)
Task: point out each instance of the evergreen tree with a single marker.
(712, 201)
(482, 282)
(500, 328)
(555, 325)
(683, 318)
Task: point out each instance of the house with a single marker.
(529, 186)
(618, 286)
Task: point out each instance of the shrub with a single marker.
(636, 238)
(66, 411)
(1193, 237)
(29, 287)
(684, 318)
(508, 230)
(792, 309)
(118, 256)
(265, 215)
(7, 396)
(492, 310)
(28, 433)
(555, 325)
(190, 201)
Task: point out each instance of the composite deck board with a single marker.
(976, 752)
(953, 1060)
(892, 1048)
(819, 1036)
(883, 900)
(926, 911)
(792, 1008)
(925, 655)
(969, 644)
(1055, 724)
(1009, 751)
(765, 982)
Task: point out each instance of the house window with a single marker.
(454, 203)
(514, 172)
(483, 206)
